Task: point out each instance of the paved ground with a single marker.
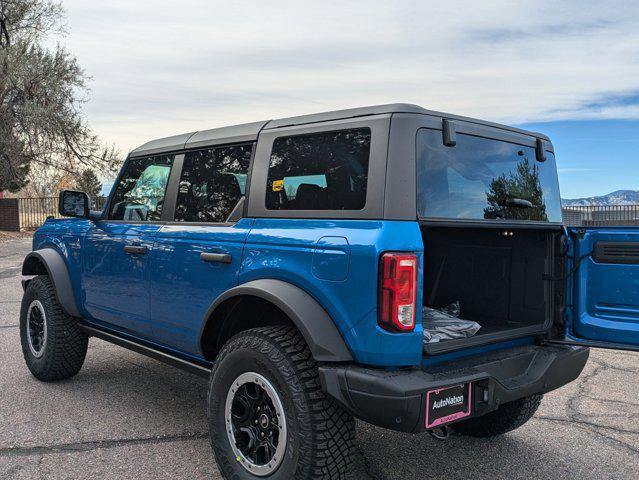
(126, 416)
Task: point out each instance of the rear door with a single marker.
(604, 289)
(198, 252)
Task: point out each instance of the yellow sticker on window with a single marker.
(278, 185)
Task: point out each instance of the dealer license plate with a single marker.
(448, 404)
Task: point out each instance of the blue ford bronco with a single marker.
(401, 266)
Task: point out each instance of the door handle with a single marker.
(215, 257)
(135, 249)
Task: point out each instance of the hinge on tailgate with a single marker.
(574, 269)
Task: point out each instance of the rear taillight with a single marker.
(397, 291)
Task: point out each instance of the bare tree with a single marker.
(46, 181)
(41, 95)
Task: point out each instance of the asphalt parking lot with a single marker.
(126, 416)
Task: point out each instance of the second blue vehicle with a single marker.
(406, 267)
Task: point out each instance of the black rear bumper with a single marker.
(396, 399)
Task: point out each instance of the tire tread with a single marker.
(506, 418)
(66, 345)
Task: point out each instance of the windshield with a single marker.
(482, 178)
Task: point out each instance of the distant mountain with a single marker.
(620, 197)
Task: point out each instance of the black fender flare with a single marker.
(56, 269)
(315, 324)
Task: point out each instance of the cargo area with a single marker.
(486, 284)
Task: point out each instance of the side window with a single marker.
(139, 196)
(320, 171)
(212, 182)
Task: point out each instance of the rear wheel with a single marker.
(53, 346)
(268, 415)
(507, 417)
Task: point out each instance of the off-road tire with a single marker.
(320, 435)
(507, 417)
(66, 345)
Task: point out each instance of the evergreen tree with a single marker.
(41, 93)
(89, 183)
(523, 184)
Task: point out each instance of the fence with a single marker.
(601, 216)
(29, 213)
(34, 211)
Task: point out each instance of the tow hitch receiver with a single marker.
(440, 433)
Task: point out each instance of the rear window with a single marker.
(212, 183)
(482, 178)
(320, 171)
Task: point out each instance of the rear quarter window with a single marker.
(319, 171)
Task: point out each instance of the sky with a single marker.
(569, 69)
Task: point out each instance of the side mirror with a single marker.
(73, 204)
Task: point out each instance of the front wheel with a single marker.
(268, 415)
(53, 345)
(507, 417)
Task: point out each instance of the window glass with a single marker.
(321, 171)
(291, 184)
(211, 183)
(140, 194)
(483, 178)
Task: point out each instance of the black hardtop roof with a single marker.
(247, 132)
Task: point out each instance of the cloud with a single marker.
(160, 68)
(534, 32)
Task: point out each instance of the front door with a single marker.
(118, 247)
(604, 289)
(198, 254)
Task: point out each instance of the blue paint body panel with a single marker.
(290, 250)
(331, 258)
(115, 283)
(67, 238)
(604, 297)
(182, 287)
